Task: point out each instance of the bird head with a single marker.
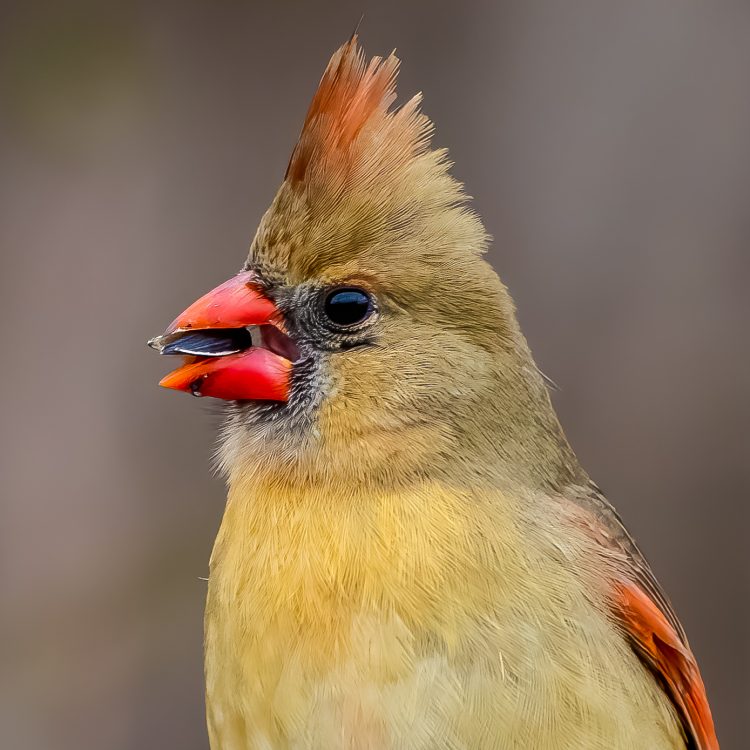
(365, 334)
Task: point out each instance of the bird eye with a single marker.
(347, 306)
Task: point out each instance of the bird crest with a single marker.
(350, 124)
(363, 190)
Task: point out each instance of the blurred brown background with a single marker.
(608, 147)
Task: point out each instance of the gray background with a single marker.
(608, 147)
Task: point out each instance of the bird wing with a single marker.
(650, 624)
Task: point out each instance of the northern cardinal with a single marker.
(411, 555)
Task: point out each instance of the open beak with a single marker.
(234, 345)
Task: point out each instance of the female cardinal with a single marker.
(411, 555)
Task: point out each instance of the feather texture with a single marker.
(668, 655)
(413, 558)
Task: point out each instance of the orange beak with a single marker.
(222, 360)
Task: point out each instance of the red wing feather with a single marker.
(647, 617)
(662, 648)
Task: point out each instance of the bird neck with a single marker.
(509, 438)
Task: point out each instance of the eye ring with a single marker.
(347, 307)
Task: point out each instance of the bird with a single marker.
(411, 555)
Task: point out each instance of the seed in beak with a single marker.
(210, 342)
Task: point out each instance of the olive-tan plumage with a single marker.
(411, 556)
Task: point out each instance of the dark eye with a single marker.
(347, 306)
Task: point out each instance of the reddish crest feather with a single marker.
(352, 94)
(661, 647)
